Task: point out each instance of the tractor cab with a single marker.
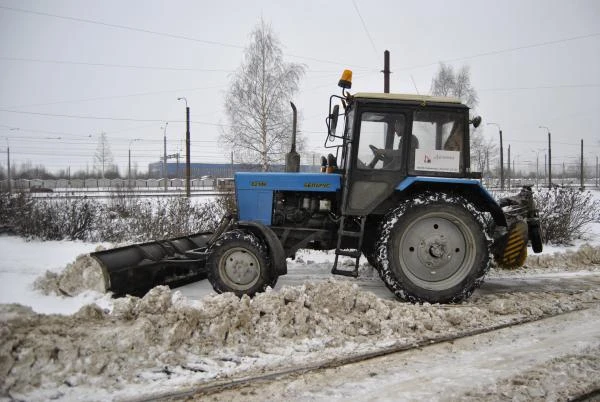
(387, 138)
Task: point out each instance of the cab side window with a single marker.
(381, 137)
(440, 135)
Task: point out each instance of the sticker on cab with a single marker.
(434, 160)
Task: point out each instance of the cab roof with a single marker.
(407, 97)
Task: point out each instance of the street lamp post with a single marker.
(8, 167)
(165, 154)
(501, 157)
(129, 161)
(549, 156)
(187, 147)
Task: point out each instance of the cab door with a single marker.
(379, 150)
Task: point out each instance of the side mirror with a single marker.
(476, 121)
(333, 119)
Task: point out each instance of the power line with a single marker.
(88, 141)
(539, 87)
(148, 31)
(82, 63)
(125, 27)
(88, 117)
(122, 119)
(507, 50)
(365, 27)
(110, 65)
(119, 96)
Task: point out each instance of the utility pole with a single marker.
(581, 167)
(129, 168)
(8, 167)
(187, 148)
(8, 172)
(508, 172)
(549, 156)
(545, 167)
(501, 157)
(514, 170)
(596, 171)
(386, 72)
(549, 160)
(537, 168)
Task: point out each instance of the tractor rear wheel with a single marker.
(239, 263)
(433, 249)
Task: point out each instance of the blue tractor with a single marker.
(397, 188)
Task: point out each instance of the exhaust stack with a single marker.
(292, 159)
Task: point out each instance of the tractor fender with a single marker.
(276, 251)
(471, 189)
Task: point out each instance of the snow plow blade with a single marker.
(138, 268)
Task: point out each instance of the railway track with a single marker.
(364, 363)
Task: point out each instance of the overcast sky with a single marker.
(124, 63)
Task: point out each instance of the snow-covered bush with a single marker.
(13, 208)
(565, 213)
(168, 217)
(119, 219)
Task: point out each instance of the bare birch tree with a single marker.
(257, 103)
(449, 83)
(103, 156)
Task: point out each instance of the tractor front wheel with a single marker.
(239, 263)
(433, 249)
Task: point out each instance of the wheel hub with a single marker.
(433, 249)
(436, 247)
(240, 267)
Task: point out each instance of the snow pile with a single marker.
(585, 256)
(563, 379)
(85, 273)
(164, 338)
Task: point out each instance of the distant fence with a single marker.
(37, 184)
(223, 184)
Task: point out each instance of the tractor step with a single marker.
(354, 253)
(350, 233)
(353, 273)
(349, 253)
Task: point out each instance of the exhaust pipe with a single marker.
(292, 159)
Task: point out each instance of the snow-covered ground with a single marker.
(88, 346)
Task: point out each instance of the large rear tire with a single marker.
(433, 249)
(239, 263)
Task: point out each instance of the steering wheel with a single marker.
(378, 154)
